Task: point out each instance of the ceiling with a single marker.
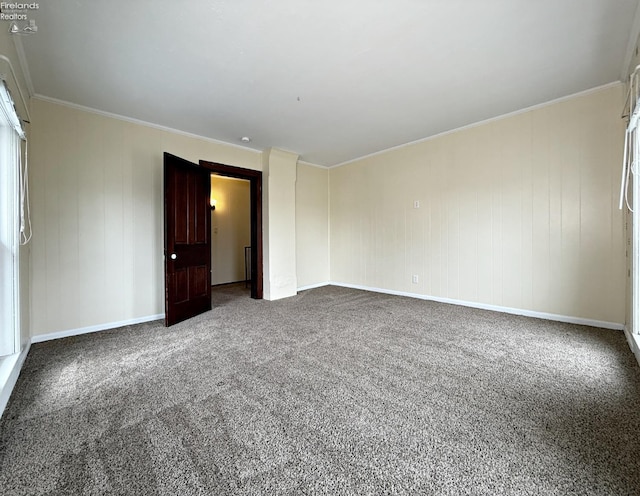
(332, 80)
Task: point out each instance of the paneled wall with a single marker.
(520, 212)
(97, 249)
(312, 225)
(98, 216)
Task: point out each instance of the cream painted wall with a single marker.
(279, 226)
(312, 225)
(97, 250)
(231, 228)
(520, 212)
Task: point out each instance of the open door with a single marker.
(187, 241)
(255, 179)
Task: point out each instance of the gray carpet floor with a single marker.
(333, 391)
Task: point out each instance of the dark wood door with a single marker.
(187, 241)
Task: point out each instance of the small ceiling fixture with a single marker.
(245, 139)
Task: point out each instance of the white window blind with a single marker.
(11, 223)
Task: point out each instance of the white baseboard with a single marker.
(634, 343)
(10, 368)
(515, 311)
(314, 286)
(100, 327)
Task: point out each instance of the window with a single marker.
(10, 223)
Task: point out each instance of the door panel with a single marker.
(187, 239)
(202, 217)
(181, 282)
(180, 214)
(198, 280)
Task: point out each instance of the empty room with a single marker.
(291, 247)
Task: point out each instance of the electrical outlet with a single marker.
(416, 204)
(215, 230)
(414, 279)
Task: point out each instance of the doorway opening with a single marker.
(230, 236)
(233, 241)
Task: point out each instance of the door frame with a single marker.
(255, 179)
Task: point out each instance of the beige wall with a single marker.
(520, 212)
(312, 225)
(279, 226)
(230, 228)
(97, 250)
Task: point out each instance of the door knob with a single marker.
(173, 256)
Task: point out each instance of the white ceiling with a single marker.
(331, 80)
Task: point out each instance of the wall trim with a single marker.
(314, 286)
(482, 122)
(10, 369)
(495, 308)
(634, 343)
(131, 120)
(303, 162)
(11, 366)
(95, 328)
